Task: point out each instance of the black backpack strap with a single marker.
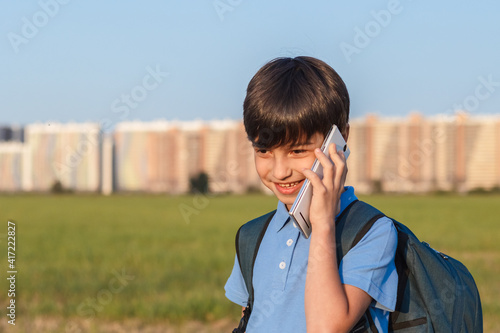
(351, 226)
(248, 239)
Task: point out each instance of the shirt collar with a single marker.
(282, 217)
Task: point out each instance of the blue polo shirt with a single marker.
(280, 273)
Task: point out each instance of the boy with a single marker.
(298, 284)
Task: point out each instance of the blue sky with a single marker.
(74, 60)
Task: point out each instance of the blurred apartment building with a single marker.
(162, 156)
(412, 154)
(11, 166)
(417, 154)
(68, 153)
(12, 153)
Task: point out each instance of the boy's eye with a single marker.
(298, 151)
(261, 151)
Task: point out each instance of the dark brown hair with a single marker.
(291, 99)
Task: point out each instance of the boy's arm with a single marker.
(330, 306)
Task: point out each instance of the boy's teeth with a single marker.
(289, 184)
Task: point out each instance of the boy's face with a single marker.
(280, 168)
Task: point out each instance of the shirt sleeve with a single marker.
(370, 266)
(236, 290)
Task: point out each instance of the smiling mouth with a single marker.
(288, 185)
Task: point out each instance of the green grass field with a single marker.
(164, 260)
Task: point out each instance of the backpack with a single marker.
(436, 293)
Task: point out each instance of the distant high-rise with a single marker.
(68, 153)
(146, 157)
(416, 154)
(162, 156)
(11, 166)
(228, 157)
(107, 176)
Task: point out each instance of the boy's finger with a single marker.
(332, 149)
(339, 161)
(328, 166)
(340, 169)
(338, 158)
(313, 177)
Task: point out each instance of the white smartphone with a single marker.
(300, 208)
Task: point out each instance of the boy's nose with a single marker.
(281, 169)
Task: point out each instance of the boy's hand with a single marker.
(330, 306)
(325, 203)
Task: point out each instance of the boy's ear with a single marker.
(346, 132)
